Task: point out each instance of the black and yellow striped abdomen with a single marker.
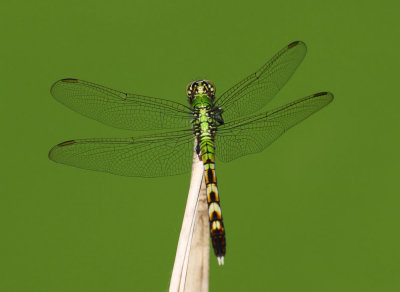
(217, 229)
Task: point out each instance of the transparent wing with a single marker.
(119, 109)
(255, 133)
(165, 154)
(254, 92)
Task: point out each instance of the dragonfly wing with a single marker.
(147, 156)
(255, 133)
(255, 91)
(119, 109)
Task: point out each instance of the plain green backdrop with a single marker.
(317, 211)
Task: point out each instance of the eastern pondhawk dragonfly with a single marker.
(219, 123)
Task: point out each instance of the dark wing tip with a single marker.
(298, 45)
(69, 80)
(291, 45)
(65, 80)
(324, 93)
(320, 93)
(65, 143)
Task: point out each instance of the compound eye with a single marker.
(211, 86)
(189, 88)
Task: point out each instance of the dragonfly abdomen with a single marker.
(204, 127)
(217, 230)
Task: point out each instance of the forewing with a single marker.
(254, 92)
(119, 109)
(255, 133)
(165, 154)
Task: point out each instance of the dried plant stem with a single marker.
(191, 267)
(199, 259)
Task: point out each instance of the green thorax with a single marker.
(201, 100)
(202, 107)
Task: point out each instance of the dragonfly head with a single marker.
(200, 87)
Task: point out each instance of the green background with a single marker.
(317, 211)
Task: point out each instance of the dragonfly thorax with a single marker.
(199, 88)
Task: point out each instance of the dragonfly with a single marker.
(227, 126)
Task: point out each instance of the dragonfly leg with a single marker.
(198, 148)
